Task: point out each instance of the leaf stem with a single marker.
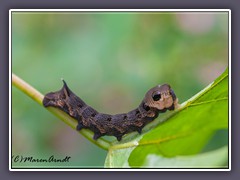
(38, 97)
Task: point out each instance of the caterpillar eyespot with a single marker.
(157, 100)
(156, 96)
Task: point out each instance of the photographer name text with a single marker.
(31, 159)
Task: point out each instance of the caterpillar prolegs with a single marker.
(157, 100)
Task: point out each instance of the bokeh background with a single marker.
(110, 60)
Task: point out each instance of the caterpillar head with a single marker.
(161, 97)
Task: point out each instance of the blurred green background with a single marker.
(110, 60)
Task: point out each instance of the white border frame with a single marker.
(115, 10)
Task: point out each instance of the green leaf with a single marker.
(182, 133)
(212, 159)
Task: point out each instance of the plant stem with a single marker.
(38, 97)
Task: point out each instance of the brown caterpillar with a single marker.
(157, 100)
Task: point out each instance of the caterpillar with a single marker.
(157, 100)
